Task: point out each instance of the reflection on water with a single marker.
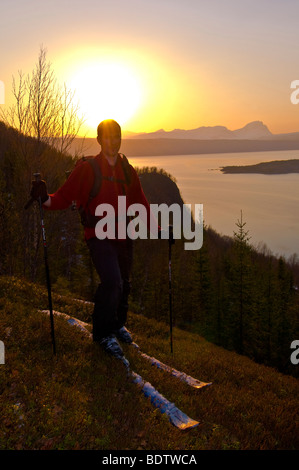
(269, 202)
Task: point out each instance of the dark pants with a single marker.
(113, 261)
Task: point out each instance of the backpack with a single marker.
(87, 219)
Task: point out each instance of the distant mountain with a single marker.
(254, 137)
(253, 130)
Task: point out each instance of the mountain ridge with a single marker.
(253, 137)
(252, 130)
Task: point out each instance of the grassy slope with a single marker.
(82, 399)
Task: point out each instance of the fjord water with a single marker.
(269, 203)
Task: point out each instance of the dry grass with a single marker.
(82, 398)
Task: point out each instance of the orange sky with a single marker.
(163, 64)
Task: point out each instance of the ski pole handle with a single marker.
(31, 200)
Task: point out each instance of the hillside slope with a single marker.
(82, 399)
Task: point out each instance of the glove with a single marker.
(39, 190)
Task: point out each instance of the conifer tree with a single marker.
(241, 283)
(206, 297)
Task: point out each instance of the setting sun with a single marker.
(106, 90)
(136, 88)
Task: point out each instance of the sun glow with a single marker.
(106, 90)
(141, 91)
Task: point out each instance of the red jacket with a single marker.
(78, 186)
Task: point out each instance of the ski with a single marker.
(176, 417)
(191, 381)
(195, 383)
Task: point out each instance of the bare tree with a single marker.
(47, 121)
(70, 124)
(43, 109)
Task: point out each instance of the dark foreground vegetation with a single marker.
(81, 399)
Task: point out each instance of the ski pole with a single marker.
(37, 178)
(170, 242)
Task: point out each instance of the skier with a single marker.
(112, 257)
